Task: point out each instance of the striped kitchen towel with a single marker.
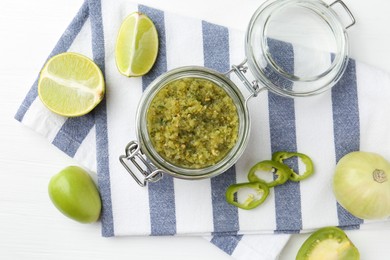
(352, 116)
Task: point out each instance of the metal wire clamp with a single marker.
(146, 171)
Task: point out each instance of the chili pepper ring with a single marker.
(294, 176)
(255, 194)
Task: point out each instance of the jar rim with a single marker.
(193, 72)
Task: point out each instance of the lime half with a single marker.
(71, 84)
(136, 45)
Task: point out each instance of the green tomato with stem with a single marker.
(74, 193)
(361, 184)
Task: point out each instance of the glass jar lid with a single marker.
(297, 47)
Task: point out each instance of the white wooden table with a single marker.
(30, 227)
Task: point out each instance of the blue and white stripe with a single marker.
(283, 138)
(161, 193)
(216, 57)
(326, 127)
(346, 129)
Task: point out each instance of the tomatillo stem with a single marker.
(379, 176)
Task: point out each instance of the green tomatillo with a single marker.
(75, 194)
(361, 184)
(330, 243)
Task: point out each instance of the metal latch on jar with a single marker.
(144, 171)
(353, 21)
(240, 69)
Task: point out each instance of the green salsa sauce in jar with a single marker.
(192, 122)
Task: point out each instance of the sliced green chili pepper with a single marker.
(281, 170)
(254, 192)
(279, 156)
(294, 176)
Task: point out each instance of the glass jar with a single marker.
(310, 24)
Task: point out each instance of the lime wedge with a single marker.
(136, 45)
(71, 84)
